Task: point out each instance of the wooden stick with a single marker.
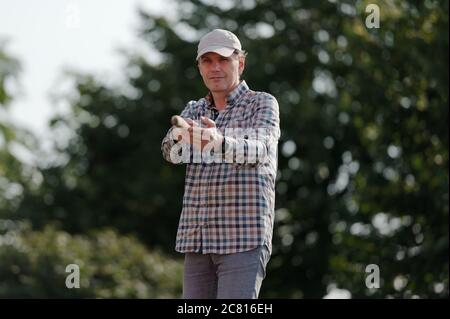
(178, 121)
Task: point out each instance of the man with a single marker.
(226, 223)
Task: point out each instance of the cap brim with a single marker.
(223, 51)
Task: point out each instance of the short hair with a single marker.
(242, 53)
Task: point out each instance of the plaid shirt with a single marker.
(228, 207)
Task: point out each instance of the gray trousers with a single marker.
(228, 276)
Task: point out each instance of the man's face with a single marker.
(220, 74)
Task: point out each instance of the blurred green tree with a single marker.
(33, 265)
(363, 175)
(14, 173)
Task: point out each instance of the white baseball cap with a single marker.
(220, 41)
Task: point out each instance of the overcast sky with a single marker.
(48, 36)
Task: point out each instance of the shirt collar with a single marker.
(232, 97)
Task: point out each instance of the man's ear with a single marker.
(241, 65)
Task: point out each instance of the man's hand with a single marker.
(200, 136)
(178, 121)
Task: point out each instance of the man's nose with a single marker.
(216, 65)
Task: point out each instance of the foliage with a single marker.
(363, 175)
(33, 265)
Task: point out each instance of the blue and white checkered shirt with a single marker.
(228, 206)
